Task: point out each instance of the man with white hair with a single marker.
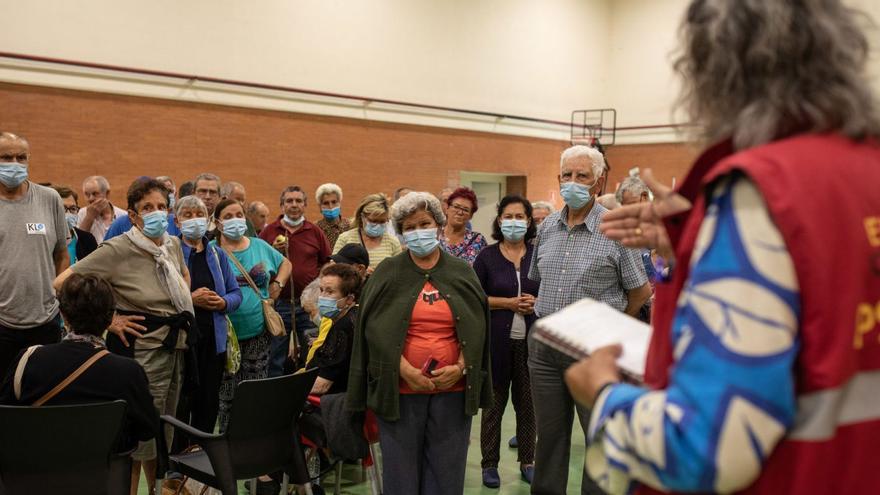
(168, 182)
(541, 210)
(34, 246)
(573, 260)
(631, 191)
(100, 213)
(329, 198)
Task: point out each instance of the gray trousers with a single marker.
(554, 416)
(425, 451)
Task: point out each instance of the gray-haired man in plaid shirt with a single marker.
(573, 260)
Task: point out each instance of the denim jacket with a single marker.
(225, 285)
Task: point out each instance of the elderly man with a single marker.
(329, 198)
(631, 191)
(100, 213)
(305, 245)
(236, 192)
(572, 260)
(258, 215)
(34, 246)
(541, 210)
(207, 188)
(168, 182)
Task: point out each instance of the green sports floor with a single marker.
(511, 483)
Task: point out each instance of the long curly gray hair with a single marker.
(759, 70)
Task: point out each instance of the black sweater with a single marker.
(110, 378)
(334, 357)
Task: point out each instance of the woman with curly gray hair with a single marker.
(764, 354)
(420, 359)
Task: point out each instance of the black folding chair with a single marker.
(261, 437)
(63, 449)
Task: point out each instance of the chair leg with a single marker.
(337, 487)
(285, 481)
(376, 469)
(254, 486)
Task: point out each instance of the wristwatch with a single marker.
(280, 285)
(462, 368)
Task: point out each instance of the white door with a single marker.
(489, 188)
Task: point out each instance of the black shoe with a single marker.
(513, 443)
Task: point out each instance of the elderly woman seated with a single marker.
(87, 306)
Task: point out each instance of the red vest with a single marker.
(823, 193)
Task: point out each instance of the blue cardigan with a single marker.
(225, 285)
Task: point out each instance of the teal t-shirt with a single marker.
(262, 262)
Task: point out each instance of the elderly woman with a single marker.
(329, 198)
(456, 237)
(541, 210)
(252, 260)
(421, 358)
(503, 269)
(369, 231)
(215, 293)
(761, 374)
(150, 281)
(87, 306)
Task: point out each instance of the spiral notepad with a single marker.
(587, 325)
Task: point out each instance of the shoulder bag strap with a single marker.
(245, 273)
(19, 370)
(73, 376)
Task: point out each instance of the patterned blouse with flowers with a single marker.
(468, 248)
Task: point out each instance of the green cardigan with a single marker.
(385, 309)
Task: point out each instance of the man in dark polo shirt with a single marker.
(306, 246)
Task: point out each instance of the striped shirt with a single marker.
(573, 263)
(389, 247)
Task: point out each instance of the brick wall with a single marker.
(74, 134)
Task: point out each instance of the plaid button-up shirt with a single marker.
(581, 262)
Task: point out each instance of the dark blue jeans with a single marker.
(425, 451)
(278, 346)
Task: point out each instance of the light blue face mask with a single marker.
(234, 228)
(327, 306)
(194, 228)
(71, 220)
(374, 229)
(331, 213)
(155, 224)
(576, 195)
(421, 242)
(514, 230)
(12, 174)
(292, 222)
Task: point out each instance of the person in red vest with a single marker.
(764, 365)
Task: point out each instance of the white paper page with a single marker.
(588, 325)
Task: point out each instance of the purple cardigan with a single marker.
(498, 277)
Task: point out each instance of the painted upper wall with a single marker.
(506, 56)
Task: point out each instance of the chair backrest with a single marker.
(261, 431)
(58, 449)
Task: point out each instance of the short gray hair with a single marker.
(597, 160)
(756, 70)
(165, 178)
(413, 202)
(208, 176)
(188, 203)
(229, 187)
(310, 294)
(103, 183)
(632, 184)
(328, 188)
(543, 205)
(252, 208)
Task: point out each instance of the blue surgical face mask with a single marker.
(292, 222)
(576, 195)
(328, 307)
(194, 228)
(71, 220)
(155, 224)
(12, 174)
(331, 214)
(234, 228)
(374, 229)
(514, 230)
(421, 242)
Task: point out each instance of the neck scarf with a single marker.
(168, 272)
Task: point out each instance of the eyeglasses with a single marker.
(71, 209)
(461, 209)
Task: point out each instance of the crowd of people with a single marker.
(754, 378)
